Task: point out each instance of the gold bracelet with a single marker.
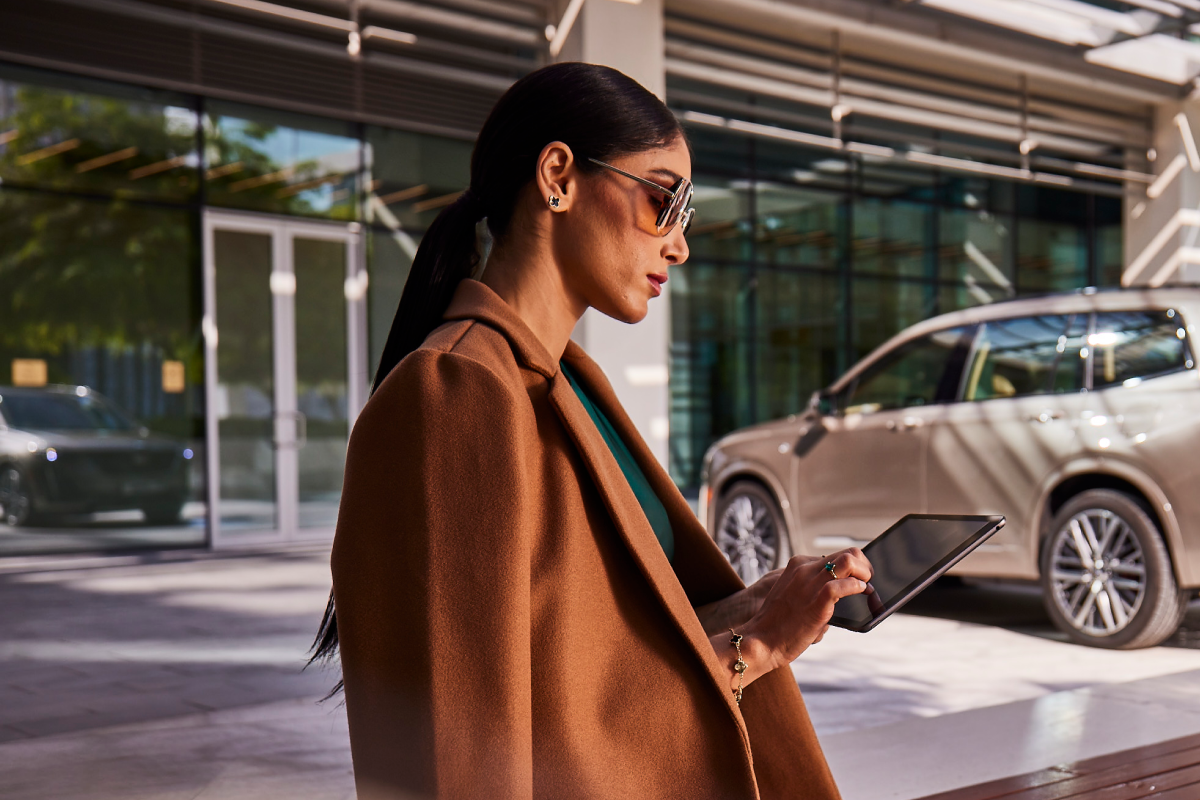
(739, 666)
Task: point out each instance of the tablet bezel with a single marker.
(989, 525)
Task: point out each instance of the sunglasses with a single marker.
(676, 203)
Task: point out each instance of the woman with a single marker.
(525, 605)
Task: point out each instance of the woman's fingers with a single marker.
(844, 587)
(851, 563)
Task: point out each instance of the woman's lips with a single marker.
(656, 281)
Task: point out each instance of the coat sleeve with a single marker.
(431, 570)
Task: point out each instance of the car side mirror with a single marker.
(822, 403)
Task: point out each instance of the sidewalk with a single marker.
(179, 676)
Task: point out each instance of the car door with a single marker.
(1023, 397)
(867, 470)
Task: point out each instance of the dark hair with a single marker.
(595, 110)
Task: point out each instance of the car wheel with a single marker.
(15, 497)
(163, 513)
(1106, 573)
(750, 531)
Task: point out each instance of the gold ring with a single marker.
(829, 568)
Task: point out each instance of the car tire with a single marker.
(163, 513)
(750, 530)
(1127, 597)
(15, 497)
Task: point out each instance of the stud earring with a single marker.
(554, 201)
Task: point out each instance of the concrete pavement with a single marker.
(179, 676)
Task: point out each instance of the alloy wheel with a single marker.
(1098, 577)
(747, 535)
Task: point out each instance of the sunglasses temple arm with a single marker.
(668, 192)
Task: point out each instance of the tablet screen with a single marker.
(905, 556)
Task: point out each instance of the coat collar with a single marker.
(474, 300)
(700, 573)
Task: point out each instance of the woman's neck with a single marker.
(531, 282)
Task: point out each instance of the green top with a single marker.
(652, 506)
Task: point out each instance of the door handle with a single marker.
(1046, 416)
(906, 424)
(301, 429)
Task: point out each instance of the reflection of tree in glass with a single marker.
(242, 171)
(73, 140)
(103, 291)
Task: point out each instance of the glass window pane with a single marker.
(796, 340)
(245, 396)
(1052, 246)
(805, 167)
(321, 376)
(389, 259)
(896, 180)
(711, 372)
(90, 136)
(101, 374)
(721, 229)
(976, 193)
(412, 177)
(1018, 357)
(1110, 256)
(919, 373)
(976, 250)
(281, 163)
(1132, 345)
(880, 309)
(893, 238)
(800, 227)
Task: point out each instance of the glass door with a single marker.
(285, 331)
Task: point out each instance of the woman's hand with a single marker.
(738, 608)
(795, 612)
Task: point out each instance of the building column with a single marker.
(628, 36)
(1162, 225)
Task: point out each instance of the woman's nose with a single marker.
(675, 247)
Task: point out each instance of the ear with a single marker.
(556, 176)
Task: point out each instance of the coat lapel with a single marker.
(700, 573)
(631, 522)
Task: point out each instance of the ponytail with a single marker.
(598, 112)
(445, 257)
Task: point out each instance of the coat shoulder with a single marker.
(472, 341)
(459, 356)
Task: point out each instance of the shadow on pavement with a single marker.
(1016, 607)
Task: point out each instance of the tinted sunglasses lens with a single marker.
(688, 216)
(673, 207)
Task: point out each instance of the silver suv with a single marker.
(1075, 416)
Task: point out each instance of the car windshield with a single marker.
(53, 411)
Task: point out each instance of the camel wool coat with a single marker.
(510, 626)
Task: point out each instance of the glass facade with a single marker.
(803, 261)
(99, 309)
(103, 189)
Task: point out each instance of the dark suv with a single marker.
(67, 450)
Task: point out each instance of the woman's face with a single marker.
(613, 257)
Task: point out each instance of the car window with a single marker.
(1027, 355)
(53, 411)
(1132, 345)
(918, 373)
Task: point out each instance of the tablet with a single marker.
(906, 558)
